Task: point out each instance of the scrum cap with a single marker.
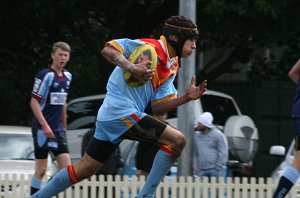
(183, 27)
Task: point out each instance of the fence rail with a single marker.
(17, 186)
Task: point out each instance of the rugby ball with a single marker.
(140, 54)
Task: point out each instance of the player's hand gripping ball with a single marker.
(140, 54)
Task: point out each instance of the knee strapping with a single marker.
(73, 177)
(168, 149)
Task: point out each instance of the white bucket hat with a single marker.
(206, 119)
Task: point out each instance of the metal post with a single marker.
(186, 113)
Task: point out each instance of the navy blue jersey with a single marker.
(51, 91)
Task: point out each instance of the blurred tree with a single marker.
(28, 30)
(244, 30)
(237, 28)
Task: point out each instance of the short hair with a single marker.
(62, 45)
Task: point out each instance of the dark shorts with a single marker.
(146, 130)
(42, 148)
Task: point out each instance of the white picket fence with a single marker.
(17, 186)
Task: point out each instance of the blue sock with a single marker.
(286, 182)
(56, 185)
(35, 185)
(161, 165)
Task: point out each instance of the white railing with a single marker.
(17, 186)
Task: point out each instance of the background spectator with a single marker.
(48, 104)
(210, 153)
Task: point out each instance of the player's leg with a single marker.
(41, 154)
(172, 142)
(39, 172)
(85, 167)
(63, 160)
(62, 153)
(291, 174)
(288, 179)
(68, 176)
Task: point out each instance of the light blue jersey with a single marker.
(124, 105)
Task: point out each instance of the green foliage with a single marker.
(28, 30)
(248, 26)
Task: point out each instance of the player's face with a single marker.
(188, 47)
(60, 58)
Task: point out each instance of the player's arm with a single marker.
(140, 70)
(294, 72)
(36, 109)
(113, 56)
(193, 92)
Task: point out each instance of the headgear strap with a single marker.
(179, 27)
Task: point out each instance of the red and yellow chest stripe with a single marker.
(164, 68)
